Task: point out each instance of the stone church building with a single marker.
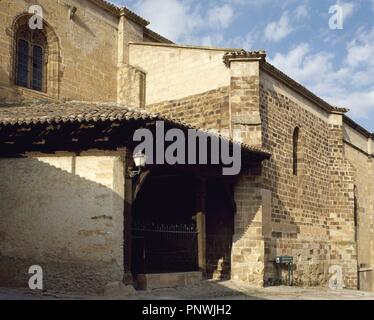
(72, 201)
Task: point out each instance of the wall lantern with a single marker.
(140, 161)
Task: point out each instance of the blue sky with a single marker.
(338, 65)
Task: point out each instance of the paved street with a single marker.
(227, 290)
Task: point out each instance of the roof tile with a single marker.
(42, 112)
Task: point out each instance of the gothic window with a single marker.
(295, 150)
(31, 58)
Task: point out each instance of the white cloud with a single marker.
(174, 19)
(185, 20)
(302, 11)
(220, 16)
(246, 42)
(360, 51)
(347, 86)
(211, 40)
(348, 8)
(278, 30)
(303, 65)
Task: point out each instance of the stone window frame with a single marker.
(33, 39)
(52, 57)
(296, 151)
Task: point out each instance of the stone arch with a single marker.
(52, 55)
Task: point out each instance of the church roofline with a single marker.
(118, 11)
(353, 124)
(243, 55)
(155, 36)
(107, 6)
(182, 46)
(134, 17)
(300, 89)
(279, 75)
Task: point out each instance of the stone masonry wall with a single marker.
(131, 86)
(131, 81)
(244, 96)
(88, 46)
(65, 214)
(209, 110)
(364, 208)
(302, 205)
(248, 249)
(175, 72)
(342, 230)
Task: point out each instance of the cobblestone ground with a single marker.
(227, 290)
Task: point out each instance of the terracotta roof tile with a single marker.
(243, 54)
(41, 112)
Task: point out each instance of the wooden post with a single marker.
(127, 228)
(201, 224)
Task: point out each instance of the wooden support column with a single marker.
(127, 228)
(201, 223)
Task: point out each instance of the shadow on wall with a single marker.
(220, 210)
(69, 225)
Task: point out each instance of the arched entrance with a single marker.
(164, 227)
(180, 226)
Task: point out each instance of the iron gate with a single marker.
(161, 248)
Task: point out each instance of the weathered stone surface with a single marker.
(118, 289)
(65, 212)
(168, 280)
(49, 210)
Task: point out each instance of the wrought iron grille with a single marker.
(161, 248)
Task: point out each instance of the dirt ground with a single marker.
(209, 290)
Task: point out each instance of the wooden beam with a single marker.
(127, 224)
(140, 182)
(201, 223)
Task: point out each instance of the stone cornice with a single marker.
(243, 56)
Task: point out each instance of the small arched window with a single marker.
(295, 151)
(31, 46)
